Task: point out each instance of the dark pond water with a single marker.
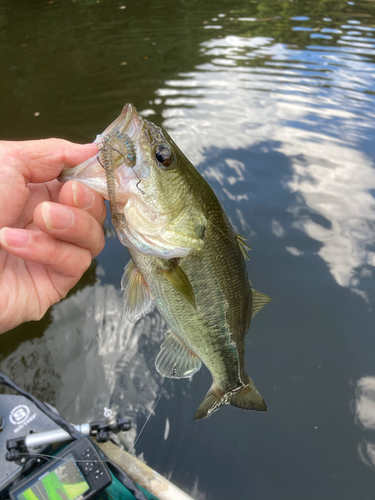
(274, 103)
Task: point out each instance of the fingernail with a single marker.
(82, 197)
(14, 237)
(57, 216)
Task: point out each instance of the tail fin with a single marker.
(247, 397)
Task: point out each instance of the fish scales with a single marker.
(186, 260)
(219, 317)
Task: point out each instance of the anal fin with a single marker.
(175, 359)
(137, 298)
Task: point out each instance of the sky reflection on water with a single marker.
(274, 104)
(321, 131)
(91, 346)
(364, 408)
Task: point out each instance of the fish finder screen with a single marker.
(65, 482)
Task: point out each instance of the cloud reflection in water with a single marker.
(365, 417)
(317, 111)
(91, 357)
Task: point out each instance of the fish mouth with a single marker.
(91, 172)
(128, 122)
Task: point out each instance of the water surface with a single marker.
(274, 104)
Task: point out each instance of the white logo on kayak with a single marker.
(20, 416)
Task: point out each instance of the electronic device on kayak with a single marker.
(32, 468)
(28, 433)
(76, 472)
(43, 457)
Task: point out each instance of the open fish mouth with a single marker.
(91, 172)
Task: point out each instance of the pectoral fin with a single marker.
(175, 359)
(137, 298)
(180, 282)
(259, 301)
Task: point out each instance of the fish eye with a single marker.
(163, 155)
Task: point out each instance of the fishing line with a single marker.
(43, 455)
(220, 231)
(149, 416)
(62, 459)
(227, 237)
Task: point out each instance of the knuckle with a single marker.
(75, 262)
(95, 239)
(101, 242)
(86, 259)
(100, 209)
(51, 252)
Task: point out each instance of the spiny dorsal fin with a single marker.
(180, 282)
(175, 359)
(259, 301)
(243, 246)
(137, 298)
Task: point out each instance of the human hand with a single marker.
(49, 232)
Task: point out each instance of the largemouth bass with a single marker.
(186, 259)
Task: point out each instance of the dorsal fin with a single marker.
(180, 282)
(137, 298)
(259, 301)
(243, 246)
